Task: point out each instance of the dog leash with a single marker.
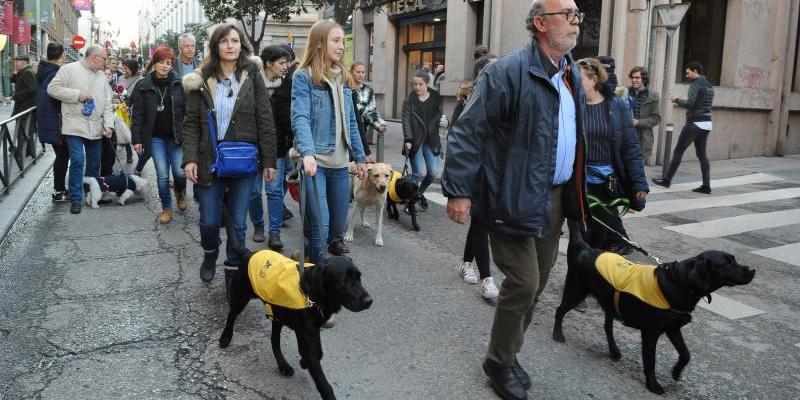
(594, 202)
(301, 262)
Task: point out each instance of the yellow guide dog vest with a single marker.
(392, 184)
(276, 281)
(635, 279)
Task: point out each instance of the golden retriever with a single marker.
(372, 192)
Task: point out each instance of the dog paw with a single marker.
(615, 354)
(348, 237)
(95, 207)
(303, 363)
(378, 241)
(286, 370)
(655, 387)
(558, 336)
(416, 228)
(365, 224)
(225, 340)
(676, 372)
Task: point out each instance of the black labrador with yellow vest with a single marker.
(652, 299)
(324, 288)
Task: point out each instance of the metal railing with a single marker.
(18, 150)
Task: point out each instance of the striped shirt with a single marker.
(224, 100)
(598, 134)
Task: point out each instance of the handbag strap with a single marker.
(212, 129)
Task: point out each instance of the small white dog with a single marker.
(371, 191)
(124, 186)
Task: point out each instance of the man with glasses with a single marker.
(521, 133)
(86, 116)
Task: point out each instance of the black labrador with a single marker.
(408, 192)
(334, 283)
(682, 283)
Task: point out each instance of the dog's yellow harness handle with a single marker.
(276, 280)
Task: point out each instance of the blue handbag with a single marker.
(231, 159)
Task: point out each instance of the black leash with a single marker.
(632, 243)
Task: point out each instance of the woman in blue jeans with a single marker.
(325, 127)
(422, 113)
(157, 125)
(276, 60)
(228, 94)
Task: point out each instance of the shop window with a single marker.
(701, 38)
(589, 39)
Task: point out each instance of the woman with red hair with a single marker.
(157, 124)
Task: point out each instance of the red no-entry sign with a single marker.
(78, 42)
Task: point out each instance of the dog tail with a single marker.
(239, 248)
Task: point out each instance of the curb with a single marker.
(15, 201)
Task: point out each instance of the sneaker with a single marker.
(488, 288)
(702, 189)
(467, 273)
(258, 233)
(662, 182)
(75, 207)
(337, 247)
(423, 202)
(180, 201)
(165, 217)
(60, 196)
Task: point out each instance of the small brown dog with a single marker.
(370, 192)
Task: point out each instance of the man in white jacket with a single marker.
(86, 115)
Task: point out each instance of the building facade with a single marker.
(749, 49)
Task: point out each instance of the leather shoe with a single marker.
(702, 189)
(337, 247)
(275, 241)
(504, 381)
(209, 266)
(75, 207)
(662, 182)
(522, 375)
(258, 233)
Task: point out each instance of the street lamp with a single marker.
(671, 16)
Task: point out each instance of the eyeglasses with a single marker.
(572, 16)
(584, 62)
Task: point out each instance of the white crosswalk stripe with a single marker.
(738, 224)
(789, 253)
(678, 205)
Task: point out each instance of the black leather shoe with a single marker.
(75, 207)
(702, 189)
(662, 182)
(504, 381)
(522, 375)
(337, 247)
(209, 266)
(275, 242)
(258, 233)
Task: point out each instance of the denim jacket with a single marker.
(313, 120)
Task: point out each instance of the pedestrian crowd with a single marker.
(575, 151)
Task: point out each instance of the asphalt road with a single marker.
(108, 304)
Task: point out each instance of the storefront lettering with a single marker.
(406, 6)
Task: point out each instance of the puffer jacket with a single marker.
(48, 109)
(144, 119)
(699, 101)
(418, 131)
(503, 147)
(251, 122)
(628, 162)
(72, 79)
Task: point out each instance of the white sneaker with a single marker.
(488, 288)
(467, 272)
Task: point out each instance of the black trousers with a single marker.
(691, 133)
(599, 236)
(60, 166)
(477, 246)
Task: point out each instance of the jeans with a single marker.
(256, 207)
(168, 155)
(276, 190)
(691, 133)
(78, 163)
(431, 162)
(237, 199)
(477, 246)
(334, 201)
(143, 158)
(60, 166)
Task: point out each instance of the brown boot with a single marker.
(166, 217)
(180, 200)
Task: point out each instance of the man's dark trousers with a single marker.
(526, 263)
